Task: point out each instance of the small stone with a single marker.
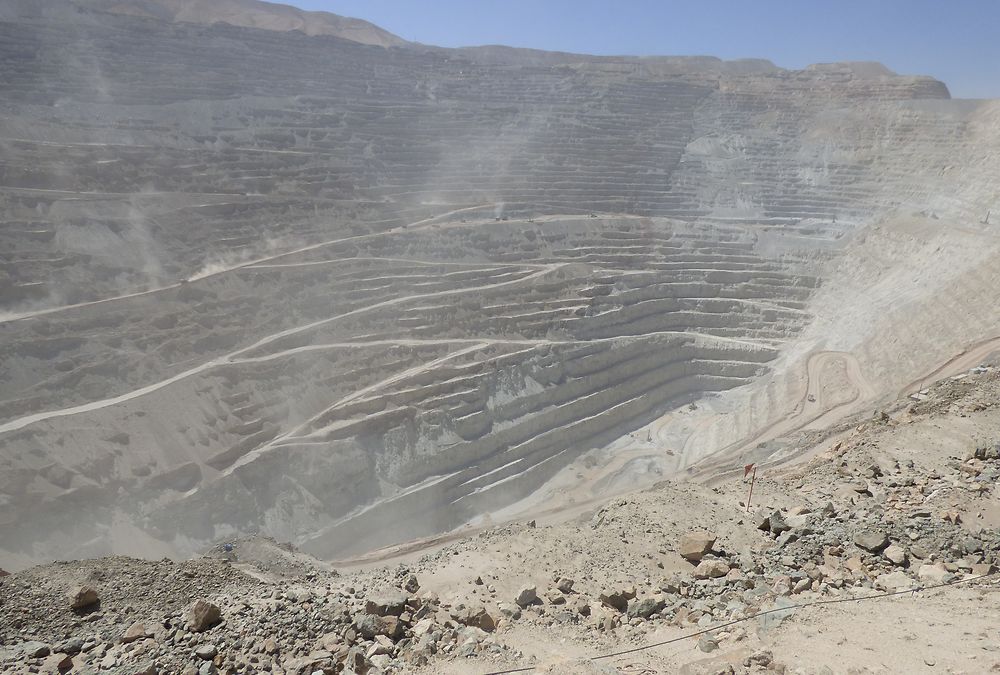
(707, 644)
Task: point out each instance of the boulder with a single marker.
(526, 596)
(711, 568)
(617, 598)
(476, 616)
(57, 663)
(555, 597)
(136, 631)
(871, 541)
(986, 450)
(202, 615)
(894, 581)
(33, 649)
(509, 610)
(384, 604)
(694, 545)
(933, 573)
(71, 646)
(393, 626)
(798, 522)
(777, 523)
(410, 584)
(82, 597)
(369, 625)
(565, 585)
(895, 554)
(982, 569)
(644, 608)
(206, 652)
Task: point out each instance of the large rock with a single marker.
(82, 597)
(384, 604)
(871, 541)
(476, 616)
(526, 596)
(693, 546)
(933, 574)
(894, 581)
(777, 523)
(202, 615)
(617, 598)
(393, 626)
(986, 450)
(644, 608)
(369, 625)
(136, 631)
(895, 554)
(33, 649)
(711, 568)
(206, 652)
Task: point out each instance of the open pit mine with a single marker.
(277, 273)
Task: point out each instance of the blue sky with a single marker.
(957, 41)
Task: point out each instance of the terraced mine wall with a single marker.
(345, 295)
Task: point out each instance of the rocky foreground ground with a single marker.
(906, 499)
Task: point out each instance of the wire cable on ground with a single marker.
(911, 591)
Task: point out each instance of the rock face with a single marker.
(297, 240)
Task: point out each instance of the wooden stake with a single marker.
(753, 477)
